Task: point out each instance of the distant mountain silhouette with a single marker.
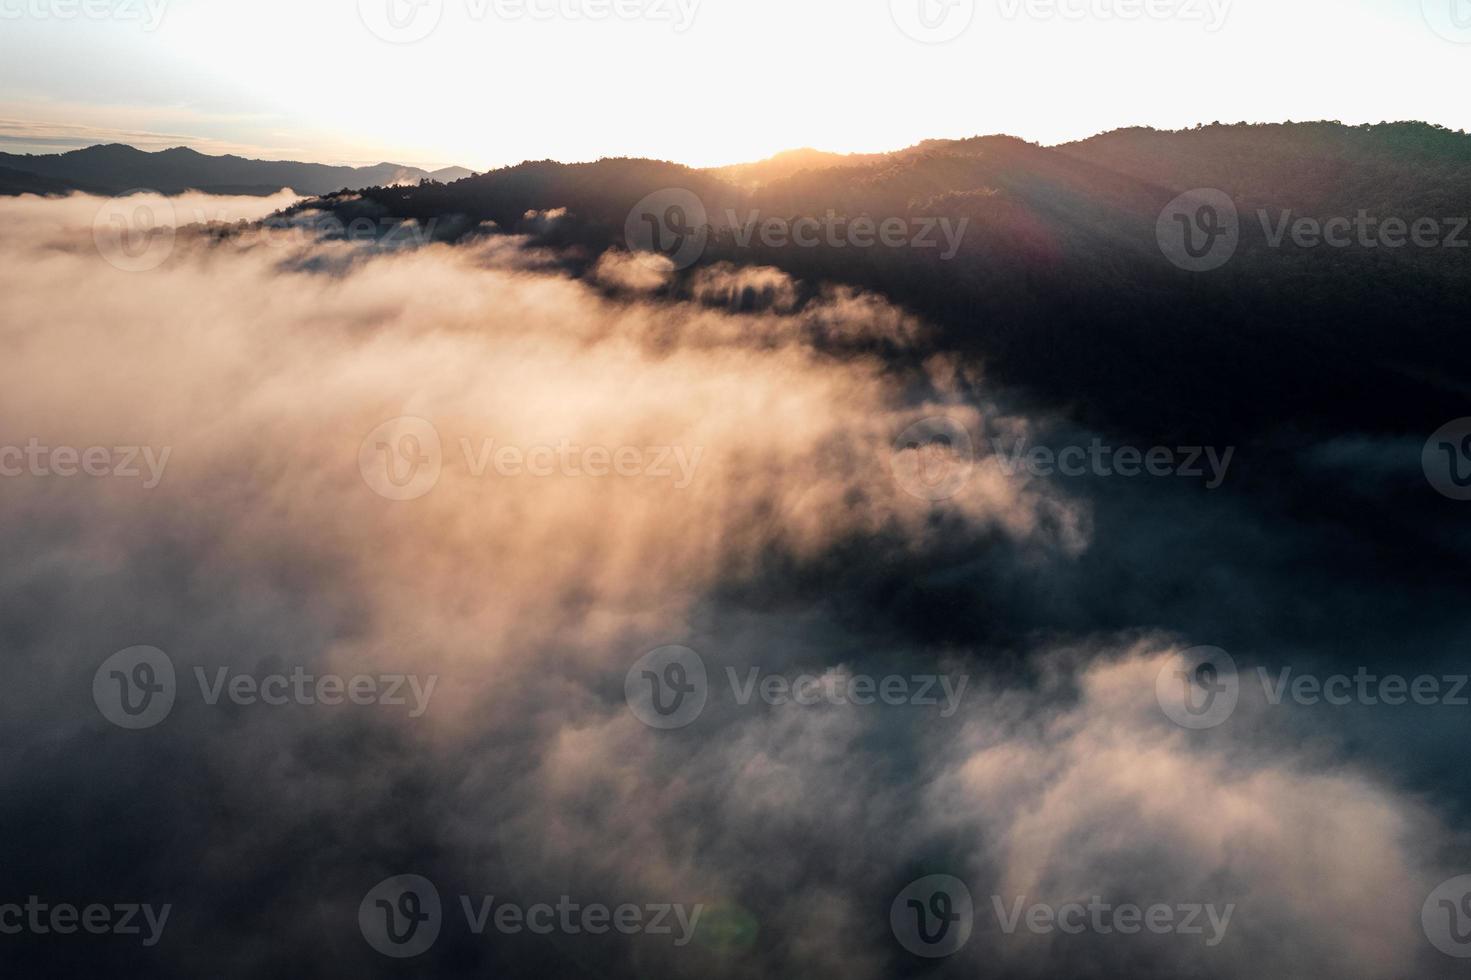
(115, 168)
(1061, 286)
(19, 182)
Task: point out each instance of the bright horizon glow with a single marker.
(280, 79)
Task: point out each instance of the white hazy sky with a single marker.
(309, 79)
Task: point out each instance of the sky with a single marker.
(485, 83)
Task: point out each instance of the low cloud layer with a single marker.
(460, 462)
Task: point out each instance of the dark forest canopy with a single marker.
(1059, 285)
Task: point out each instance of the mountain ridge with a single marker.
(1060, 284)
(115, 168)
